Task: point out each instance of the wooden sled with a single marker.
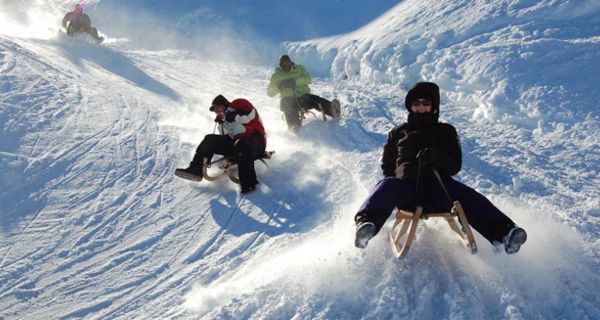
(407, 221)
(227, 168)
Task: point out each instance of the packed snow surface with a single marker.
(94, 225)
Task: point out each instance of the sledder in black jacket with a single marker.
(404, 142)
(422, 136)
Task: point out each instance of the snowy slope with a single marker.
(526, 70)
(277, 20)
(94, 225)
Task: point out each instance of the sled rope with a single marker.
(439, 179)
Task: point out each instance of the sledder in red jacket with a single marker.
(242, 140)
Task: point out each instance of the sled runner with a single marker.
(302, 116)
(404, 229)
(226, 167)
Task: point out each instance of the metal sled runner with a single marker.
(405, 227)
(227, 168)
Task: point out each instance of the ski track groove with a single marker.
(205, 249)
(137, 246)
(166, 277)
(90, 254)
(8, 62)
(37, 175)
(163, 278)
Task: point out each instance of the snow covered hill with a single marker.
(95, 226)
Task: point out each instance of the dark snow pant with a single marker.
(391, 193)
(290, 107)
(243, 152)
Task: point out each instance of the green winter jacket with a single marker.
(297, 73)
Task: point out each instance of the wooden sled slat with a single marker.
(410, 222)
(207, 175)
(228, 168)
(468, 232)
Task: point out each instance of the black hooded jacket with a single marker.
(422, 130)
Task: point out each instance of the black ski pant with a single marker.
(307, 102)
(242, 151)
(392, 192)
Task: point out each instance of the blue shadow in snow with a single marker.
(237, 222)
(289, 209)
(21, 191)
(116, 63)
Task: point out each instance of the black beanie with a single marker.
(424, 90)
(285, 57)
(218, 101)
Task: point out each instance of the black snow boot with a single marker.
(246, 190)
(336, 108)
(364, 232)
(191, 173)
(514, 239)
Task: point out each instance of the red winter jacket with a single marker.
(242, 120)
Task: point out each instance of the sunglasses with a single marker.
(425, 103)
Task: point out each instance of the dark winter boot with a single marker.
(336, 108)
(364, 232)
(514, 239)
(246, 190)
(191, 173)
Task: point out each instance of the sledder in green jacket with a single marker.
(297, 73)
(290, 81)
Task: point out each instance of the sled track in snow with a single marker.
(7, 61)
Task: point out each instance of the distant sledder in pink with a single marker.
(77, 22)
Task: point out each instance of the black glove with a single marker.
(426, 156)
(290, 83)
(230, 116)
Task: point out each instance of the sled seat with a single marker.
(404, 229)
(228, 168)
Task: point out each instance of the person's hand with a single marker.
(220, 118)
(230, 116)
(290, 83)
(426, 155)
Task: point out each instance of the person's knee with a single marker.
(207, 143)
(85, 20)
(394, 183)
